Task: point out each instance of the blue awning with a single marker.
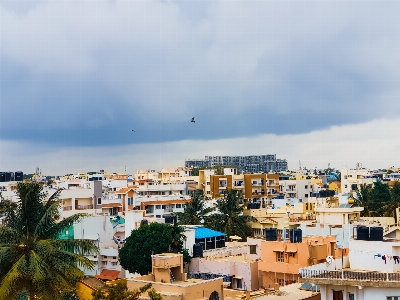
(203, 233)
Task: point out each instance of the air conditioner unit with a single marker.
(329, 260)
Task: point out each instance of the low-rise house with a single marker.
(281, 260)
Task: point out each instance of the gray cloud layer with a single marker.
(87, 72)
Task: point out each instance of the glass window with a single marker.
(253, 249)
(279, 257)
(158, 206)
(98, 200)
(178, 205)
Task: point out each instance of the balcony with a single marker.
(349, 277)
(82, 207)
(67, 208)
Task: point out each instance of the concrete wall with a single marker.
(360, 293)
(342, 234)
(364, 255)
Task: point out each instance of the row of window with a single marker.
(280, 256)
(164, 206)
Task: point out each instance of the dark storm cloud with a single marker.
(87, 73)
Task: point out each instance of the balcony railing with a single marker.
(66, 208)
(349, 275)
(81, 207)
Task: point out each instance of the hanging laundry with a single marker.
(377, 255)
(384, 258)
(396, 259)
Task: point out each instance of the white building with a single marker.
(372, 273)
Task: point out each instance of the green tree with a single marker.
(69, 295)
(195, 211)
(364, 199)
(230, 218)
(154, 238)
(381, 197)
(32, 258)
(389, 207)
(120, 291)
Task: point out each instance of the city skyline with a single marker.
(309, 81)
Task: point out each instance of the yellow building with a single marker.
(87, 286)
(335, 186)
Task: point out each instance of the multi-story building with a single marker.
(351, 179)
(247, 164)
(255, 187)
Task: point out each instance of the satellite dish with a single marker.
(329, 260)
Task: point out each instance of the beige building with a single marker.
(169, 279)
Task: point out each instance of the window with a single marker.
(114, 257)
(292, 254)
(158, 216)
(253, 249)
(104, 256)
(306, 206)
(345, 186)
(98, 200)
(158, 206)
(306, 195)
(345, 176)
(208, 192)
(392, 298)
(163, 206)
(119, 196)
(281, 282)
(306, 187)
(208, 183)
(178, 205)
(114, 263)
(279, 257)
(130, 201)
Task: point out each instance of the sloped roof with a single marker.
(108, 274)
(203, 233)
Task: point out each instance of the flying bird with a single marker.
(133, 130)
(193, 120)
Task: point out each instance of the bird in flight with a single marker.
(193, 120)
(133, 130)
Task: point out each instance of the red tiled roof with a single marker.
(108, 274)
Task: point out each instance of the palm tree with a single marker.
(195, 211)
(230, 218)
(32, 258)
(389, 207)
(364, 199)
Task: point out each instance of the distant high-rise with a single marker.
(248, 164)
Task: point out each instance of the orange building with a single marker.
(281, 260)
(254, 186)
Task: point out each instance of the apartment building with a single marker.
(351, 179)
(246, 164)
(255, 187)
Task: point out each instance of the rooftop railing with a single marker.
(349, 275)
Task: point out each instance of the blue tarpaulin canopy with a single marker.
(204, 233)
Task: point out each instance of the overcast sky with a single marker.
(316, 81)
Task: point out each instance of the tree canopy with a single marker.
(230, 218)
(195, 211)
(119, 291)
(32, 258)
(154, 238)
(379, 199)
